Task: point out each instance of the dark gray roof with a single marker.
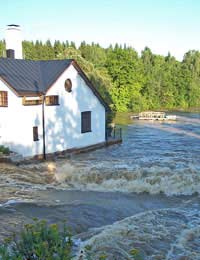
(27, 76)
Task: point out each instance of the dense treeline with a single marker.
(129, 81)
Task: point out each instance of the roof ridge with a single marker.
(35, 61)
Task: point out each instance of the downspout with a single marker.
(43, 128)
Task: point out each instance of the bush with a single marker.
(4, 150)
(38, 241)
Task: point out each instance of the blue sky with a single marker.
(162, 25)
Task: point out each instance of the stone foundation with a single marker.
(17, 159)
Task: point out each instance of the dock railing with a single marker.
(113, 133)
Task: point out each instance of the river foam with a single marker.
(154, 180)
(174, 179)
(168, 234)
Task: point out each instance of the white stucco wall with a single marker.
(63, 122)
(16, 125)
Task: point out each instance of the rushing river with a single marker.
(143, 194)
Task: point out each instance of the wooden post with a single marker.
(120, 133)
(106, 134)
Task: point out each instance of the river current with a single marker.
(143, 194)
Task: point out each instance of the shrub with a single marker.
(38, 241)
(4, 150)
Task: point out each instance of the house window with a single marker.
(52, 100)
(86, 122)
(35, 134)
(68, 85)
(3, 98)
(31, 102)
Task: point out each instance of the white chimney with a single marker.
(13, 39)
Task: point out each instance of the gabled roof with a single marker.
(33, 78)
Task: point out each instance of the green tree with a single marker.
(2, 48)
(125, 69)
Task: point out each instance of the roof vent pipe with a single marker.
(13, 39)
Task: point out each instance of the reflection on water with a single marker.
(154, 160)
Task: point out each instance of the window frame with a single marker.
(31, 102)
(3, 98)
(68, 85)
(48, 101)
(86, 122)
(35, 134)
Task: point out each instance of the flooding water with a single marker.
(142, 194)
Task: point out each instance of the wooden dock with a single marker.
(154, 116)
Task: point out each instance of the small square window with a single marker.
(3, 98)
(86, 122)
(52, 100)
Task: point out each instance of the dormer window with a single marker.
(3, 98)
(68, 85)
(52, 100)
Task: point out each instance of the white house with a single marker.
(47, 106)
